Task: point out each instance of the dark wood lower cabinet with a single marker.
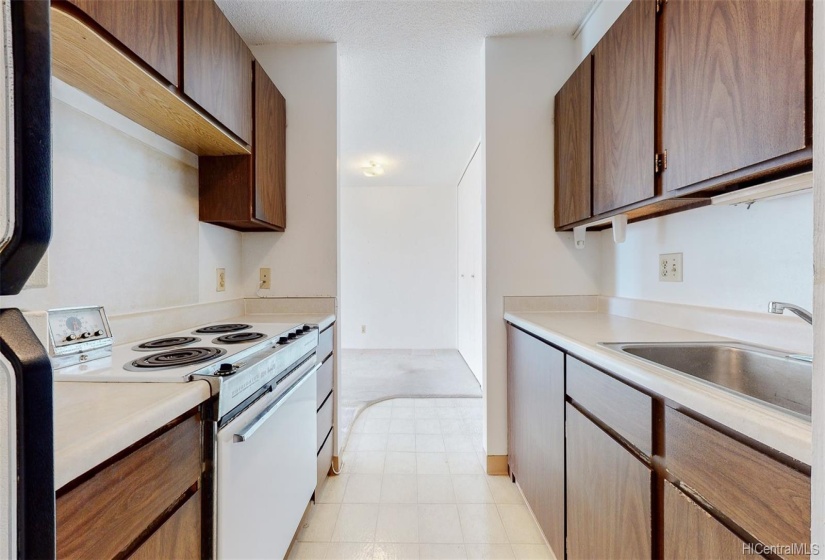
(125, 505)
(536, 390)
(690, 532)
(608, 495)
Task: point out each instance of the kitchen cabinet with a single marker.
(690, 532)
(535, 389)
(624, 96)
(325, 402)
(217, 67)
(145, 501)
(149, 28)
(248, 193)
(572, 114)
(735, 79)
(608, 495)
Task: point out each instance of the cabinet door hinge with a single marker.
(660, 162)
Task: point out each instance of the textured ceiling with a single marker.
(410, 73)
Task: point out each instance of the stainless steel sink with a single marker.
(776, 378)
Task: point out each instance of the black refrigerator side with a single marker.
(31, 373)
(31, 214)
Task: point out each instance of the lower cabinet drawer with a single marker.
(178, 538)
(324, 421)
(324, 381)
(105, 514)
(325, 342)
(766, 498)
(325, 458)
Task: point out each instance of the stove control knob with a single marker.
(71, 337)
(226, 369)
(99, 332)
(283, 340)
(292, 335)
(86, 335)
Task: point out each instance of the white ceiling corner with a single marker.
(410, 72)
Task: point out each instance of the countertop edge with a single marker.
(784, 433)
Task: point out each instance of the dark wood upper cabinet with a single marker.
(573, 113)
(608, 495)
(535, 390)
(735, 86)
(149, 28)
(248, 193)
(624, 94)
(217, 67)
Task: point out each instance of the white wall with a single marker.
(471, 264)
(126, 230)
(524, 255)
(304, 258)
(398, 273)
(733, 258)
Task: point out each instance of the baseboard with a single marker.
(497, 465)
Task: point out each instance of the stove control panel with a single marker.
(78, 334)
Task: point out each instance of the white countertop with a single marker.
(580, 332)
(95, 421)
(323, 320)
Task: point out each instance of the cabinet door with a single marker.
(572, 146)
(536, 398)
(624, 109)
(690, 532)
(608, 495)
(735, 86)
(149, 28)
(179, 537)
(269, 151)
(217, 67)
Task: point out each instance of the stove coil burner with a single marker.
(162, 343)
(175, 358)
(220, 329)
(239, 338)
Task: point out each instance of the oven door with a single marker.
(266, 471)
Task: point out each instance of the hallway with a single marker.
(413, 486)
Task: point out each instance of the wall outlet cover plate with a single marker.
(670, 267)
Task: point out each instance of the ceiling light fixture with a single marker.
(373, 169)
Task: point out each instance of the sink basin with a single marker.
(775, 378)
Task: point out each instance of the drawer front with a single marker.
(325, 343)
(625, 410)
(179, 537)
(103, 515)
(324, 421)
(769, 500)
(324, 382)
(325, 459)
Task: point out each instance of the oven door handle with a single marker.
(246, 433)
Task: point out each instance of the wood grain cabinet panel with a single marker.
(624, 92)
(535, 387)
(248, 193)
(217, 67)
(572, 146)
(766, 498)
(735, 86)
(149, 28)
(608, 496)
(690, 532)
(179, 538)
(625, 410)
(104, 515)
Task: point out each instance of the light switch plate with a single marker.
(670, 267)
(265, 278)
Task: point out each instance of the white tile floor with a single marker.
(413, 486)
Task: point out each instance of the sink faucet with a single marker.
(778, 307)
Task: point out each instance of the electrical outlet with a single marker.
(363, 329)
(265, 276)
(670, 267)
(220, 285)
